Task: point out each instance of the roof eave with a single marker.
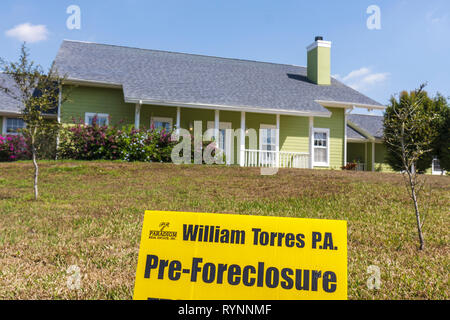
(339, 104)
(92, 83)
(229, 108)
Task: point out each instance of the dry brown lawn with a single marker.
(90, 215)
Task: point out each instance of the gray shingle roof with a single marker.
(7, 103)
(371, 124)
(188, 78)
(353, 134)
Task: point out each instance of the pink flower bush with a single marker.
(13, 147)
(95, 142)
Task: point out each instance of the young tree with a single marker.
(436, 106)
(409, 135)
(38, 94)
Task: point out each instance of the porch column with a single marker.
(242, 142)
(178, 121)
(373, 156)
(277, 142)
(216, 126)
(137, 115)
(311, 141)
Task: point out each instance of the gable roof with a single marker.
(8, 104)
(170, 77)
(353, 134)
(373, 125)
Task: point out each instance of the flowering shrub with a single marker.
(145, 145)
(94, 142)
(350, 166)
(13, 147)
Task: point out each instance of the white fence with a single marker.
(279, 159)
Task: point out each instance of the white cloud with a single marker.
(356, 74)
(28, 32)
(363, 78)
(433, 17)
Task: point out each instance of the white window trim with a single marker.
(4, 125)
(93, 114)
(436, 172)
(267, 126)
(162, 119)
(321, 130)
(222, 125)
(228, 139)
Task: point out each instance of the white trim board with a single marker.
(321, 130)
(93, 114)
(162, 119)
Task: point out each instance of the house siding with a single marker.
(254, 121)
(380, 161)
(336, 124)
(1, 125)
(147, 112)
(97, 100)
(356, 152)
(294, 134)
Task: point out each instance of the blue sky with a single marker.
(412, 46)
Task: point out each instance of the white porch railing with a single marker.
(278, 159)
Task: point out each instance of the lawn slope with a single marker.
(90, 215)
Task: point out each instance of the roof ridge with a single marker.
(184, 53)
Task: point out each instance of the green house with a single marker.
(262, 114)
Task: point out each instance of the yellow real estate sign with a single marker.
(186, 255)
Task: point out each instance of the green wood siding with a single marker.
(369, 156)
(1, 125)
(356, 152)
(189, 115)
(336, 124)
(380, 161)
(294, 134)
(380, 153)
(254, 121)
(147, 112)
(97, 100)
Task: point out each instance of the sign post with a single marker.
(206, 256)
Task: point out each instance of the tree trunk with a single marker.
(412, 183)
(419, 226)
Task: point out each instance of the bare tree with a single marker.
(408, 135)
(37, 92)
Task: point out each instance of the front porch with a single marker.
(367, 154)
(247, 139)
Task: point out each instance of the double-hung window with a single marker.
(102, 118)
(13, 125)
(160, 123)
(268, 143)
(321, 147)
